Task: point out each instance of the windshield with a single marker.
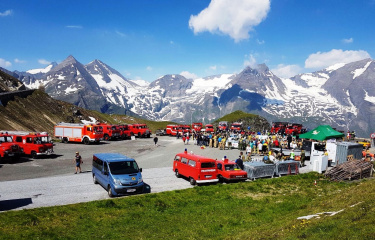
(126, 167)
(42, 140)
(98, 129)
(6, 139)
(236, 126)
(231, 167)
(208, 165)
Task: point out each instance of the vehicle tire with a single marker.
(110, 193)
(192, 181)
(65, 140)
(139, 135)
(148, 135)
(86, 141)
(177, 174)
(34, 155)
(221, 179)
(94, 179)
(106, 137)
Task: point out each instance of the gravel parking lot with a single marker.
(50, 180)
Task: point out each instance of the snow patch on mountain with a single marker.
(368, 98)
(358, 72)
(42, 70)
(202, 85)
(335, 67)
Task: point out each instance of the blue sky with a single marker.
(145, 39)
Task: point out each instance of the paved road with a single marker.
(50, 181)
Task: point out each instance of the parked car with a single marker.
(160, 132)
(229, 171)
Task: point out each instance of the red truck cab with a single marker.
(125, 131)
(111, 132)
(197, 169)
(8, 148)
(210, 128)
(223, 126)
(33, 144)
(197, 127)
(172, 130)
(236, 127)
(140, 130)
(229, 171)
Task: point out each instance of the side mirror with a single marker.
(140, 169)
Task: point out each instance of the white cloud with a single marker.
(260, 42)
(250, 61)
(44, 62)
(120, 34)
(188, 75)
(6, 13)
(213, 67)
(74, 26)
(326, 59)
(4, 63)
(16, 60)
(235, 18)
(347, 40)
(286, 71)
(148, 68)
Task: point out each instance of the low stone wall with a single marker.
(9, 96)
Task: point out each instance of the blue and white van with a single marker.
(117, 173)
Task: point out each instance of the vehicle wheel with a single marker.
(221, 179)
(65, 140)
(192, 181)
(94, 179)
(139, 135)
(34, 155)
(148, 135)
(86, 141)
(177, 174)
(106, 137)
(110, 193)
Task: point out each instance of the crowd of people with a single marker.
(249, 143)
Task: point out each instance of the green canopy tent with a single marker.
(322, 132)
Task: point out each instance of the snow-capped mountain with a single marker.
(42, 70)
(342, 95)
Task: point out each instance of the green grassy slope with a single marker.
(263, 209)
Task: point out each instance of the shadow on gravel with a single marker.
(16, 161)
(52, 156)
(7, 205)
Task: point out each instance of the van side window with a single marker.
(88, 129)
(192, 163)
(18, 139)
(29, 140)
(184, 160)
(105, 167)
(97, 163)
(177, 158)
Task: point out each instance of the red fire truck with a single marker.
(77, 132)
(110, 132)
(8, 148)
(33, 144)
(278, 127)
(197, 127)
(236, 127)
(140, 130)
(223, 126)
(125, 131)
(210, 128)
(172, 130)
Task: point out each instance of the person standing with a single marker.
(78, 161)
(156, 141)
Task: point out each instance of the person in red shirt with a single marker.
(276, 143)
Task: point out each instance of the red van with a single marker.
(229, 171)
(196, 168)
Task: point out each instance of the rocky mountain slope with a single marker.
(342, 95)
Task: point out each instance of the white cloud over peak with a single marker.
(16, 60)
(286, 71)
(188, 75)
(6, 13)
(250, 61)
(4, 63)
(235, 18)
(347, 40)
(326, 59)
(44, 62)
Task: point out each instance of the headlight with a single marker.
(140, 180)
(117, 181)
